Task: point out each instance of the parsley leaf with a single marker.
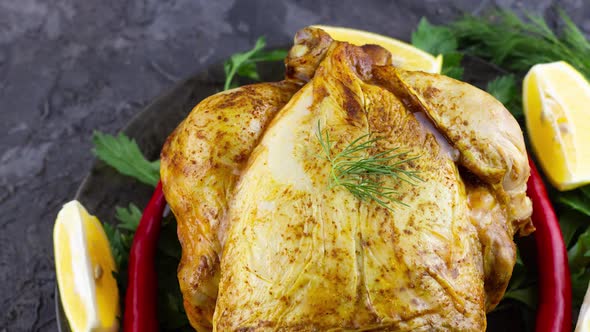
(579, 253)
(452, 65)
(124, 155)
(504, 89)
(571, 224)
(576, 200)
(439, 40)
(574, 218)
(434, 39)
(129, 217)
(244, 64)
(121, 235)
(116, 243)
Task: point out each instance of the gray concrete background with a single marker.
(69, 67)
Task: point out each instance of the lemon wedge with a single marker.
(84, 265)
(404, 55)
(556, 100)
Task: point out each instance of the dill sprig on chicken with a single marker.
(362, 173)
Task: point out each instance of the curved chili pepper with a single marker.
(141, 298)
(554, 312)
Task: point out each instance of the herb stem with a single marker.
(362, 173)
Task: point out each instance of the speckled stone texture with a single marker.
(70, 67)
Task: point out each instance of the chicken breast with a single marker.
(272, 243)
(302, 256)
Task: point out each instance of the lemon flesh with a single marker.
(404, 55)
(84, 270)
(556, 100)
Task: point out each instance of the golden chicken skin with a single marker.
(273, 240)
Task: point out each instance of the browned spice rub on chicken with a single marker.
(269, 244)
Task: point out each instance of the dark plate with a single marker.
(104, 188)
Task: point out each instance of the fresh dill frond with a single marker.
(363, 173)
(516, 43)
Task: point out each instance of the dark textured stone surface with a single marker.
(69, 67)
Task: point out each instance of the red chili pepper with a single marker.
(141, 298)
(554, 312)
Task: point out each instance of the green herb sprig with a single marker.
(121, 235)
(517, 44)
(505, 89)
(362, 173)
(439, 40)
(123, 154)
(244, 64)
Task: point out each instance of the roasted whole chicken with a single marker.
(271, 244)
